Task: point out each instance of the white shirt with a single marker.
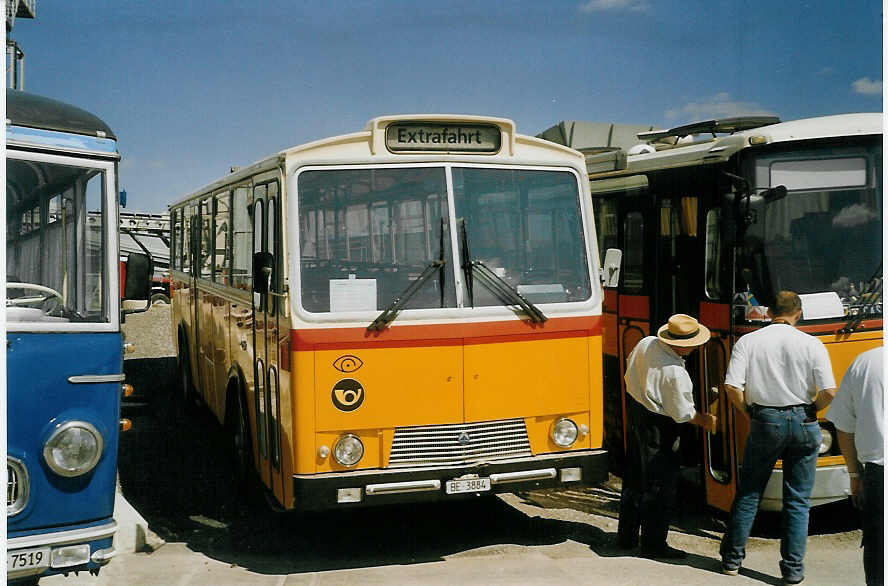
(859, 406)
(779, 366)
(656, 378)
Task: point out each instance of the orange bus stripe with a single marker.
(445, 334)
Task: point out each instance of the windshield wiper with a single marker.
(389, 313)
(493, 282)
(874, 290)
(506, 293)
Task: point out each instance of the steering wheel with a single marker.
(41, 296)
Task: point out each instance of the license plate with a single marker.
(468, 485)
(27, 559)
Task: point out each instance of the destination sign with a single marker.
(467, 138)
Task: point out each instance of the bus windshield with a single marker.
(366, 234)
(55, 243)
(818, 240)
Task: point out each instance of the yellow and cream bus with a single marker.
(410, 312)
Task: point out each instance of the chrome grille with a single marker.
(16, 486)
(459, 443)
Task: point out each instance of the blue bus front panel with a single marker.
(55, 380)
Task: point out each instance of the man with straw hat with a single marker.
(660, 397)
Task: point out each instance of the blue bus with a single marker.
(64, 348)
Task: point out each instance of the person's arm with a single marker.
(849, 452)
(705, 420)
(737, 397)
(824, 398)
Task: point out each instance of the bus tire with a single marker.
(160, 298)
(185, 392)
(238, 431)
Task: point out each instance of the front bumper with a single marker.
(409, 485)
(99, 539)
(831, 483)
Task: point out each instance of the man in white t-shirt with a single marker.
(779, 377)
(660, 397)
(858, 413)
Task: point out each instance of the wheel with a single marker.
(241, 448)
(160, 298)
(186, 385)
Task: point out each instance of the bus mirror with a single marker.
(774, 193)
(263, 267)
(137, 283)
(610, 274)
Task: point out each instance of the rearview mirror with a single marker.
(263, 270)
(137, 281)
(610, 274)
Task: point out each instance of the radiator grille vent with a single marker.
(460, 443)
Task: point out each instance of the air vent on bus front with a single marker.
(16, 486)
(459, 443)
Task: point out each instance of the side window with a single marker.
(605, 224)
(261, 420)
(206, 238)
(241, 240)
(273, 431)
(258, 229)
(175, 237)
(633, 257)
(271, 246)
(187, 239)
(713, 254)
(222, 250)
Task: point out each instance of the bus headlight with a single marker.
(348, 450)
(73, 449)
(564, 432)
(826, 440)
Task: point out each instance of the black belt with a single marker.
(810, 409)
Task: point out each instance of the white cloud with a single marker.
(854, 215)
(615, 5)
(867, 86)
(718, 106)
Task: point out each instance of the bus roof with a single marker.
(371, 145)
(652, 155)
(33, 111)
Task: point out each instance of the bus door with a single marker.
(266, 364)
(194, 297)
(205, 324)
(633, 300)
(719, 456)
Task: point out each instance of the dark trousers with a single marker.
(650, 478)
(873, 525)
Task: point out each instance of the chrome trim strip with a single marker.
(103, 556)
(396, 487)
(506, 477)
(96, 378)
(63, 537)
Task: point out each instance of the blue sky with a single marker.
(192, 88)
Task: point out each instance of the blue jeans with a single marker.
(775, 433)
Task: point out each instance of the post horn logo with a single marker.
(347, 395)
(347, 363)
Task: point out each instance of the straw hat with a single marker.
(683, 330)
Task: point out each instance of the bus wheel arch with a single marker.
(185, 393)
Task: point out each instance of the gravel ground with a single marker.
(149, 332)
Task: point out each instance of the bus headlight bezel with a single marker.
(80, 464)
(348, 450)
(565, 432)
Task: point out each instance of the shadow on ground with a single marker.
(177, 473)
